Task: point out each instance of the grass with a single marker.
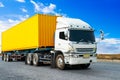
(109, 56)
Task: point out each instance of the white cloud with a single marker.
(11, 21)
(24, 10)
(1, 4)
(36, 6)
(22, 18)
(45, 9)
(109, 46)
(48, 9)
(20, 0)
(111, 41)
(7, 23)
(106, 34)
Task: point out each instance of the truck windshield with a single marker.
(82, 36)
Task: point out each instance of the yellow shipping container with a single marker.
(35, 32)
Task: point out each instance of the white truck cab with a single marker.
(75, 39)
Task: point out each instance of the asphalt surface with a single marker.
(97, 71)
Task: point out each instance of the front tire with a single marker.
(60, 61)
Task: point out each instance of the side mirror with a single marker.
(101, 35)
(66, 34)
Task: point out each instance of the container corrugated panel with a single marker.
(47, 26)
(34, 32)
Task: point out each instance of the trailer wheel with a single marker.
(60, 61)
(85, 66)
(35, 59)
(7, 58)
(29, 59)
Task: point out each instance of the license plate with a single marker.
(86, 55)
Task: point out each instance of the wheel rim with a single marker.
(4, 57)
(28, 59)
(7, 59)
(60, 62)
(35, 59)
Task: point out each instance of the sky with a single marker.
(100, 14)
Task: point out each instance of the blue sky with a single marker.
(100, 14)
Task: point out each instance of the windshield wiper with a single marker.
(81, 40)
(90, 41)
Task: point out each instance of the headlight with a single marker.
(74, 56)
(70, 49)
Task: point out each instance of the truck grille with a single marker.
(84, 49)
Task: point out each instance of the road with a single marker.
(20, 71)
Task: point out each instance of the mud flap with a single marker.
(53, 60)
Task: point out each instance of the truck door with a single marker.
(61, 41)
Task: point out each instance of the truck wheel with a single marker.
(35, 59)
(29, 59)
(7, 58)
(60, 61)
(85, 66)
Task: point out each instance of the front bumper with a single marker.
(76, 60)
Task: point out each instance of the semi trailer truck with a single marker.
(56, 40)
